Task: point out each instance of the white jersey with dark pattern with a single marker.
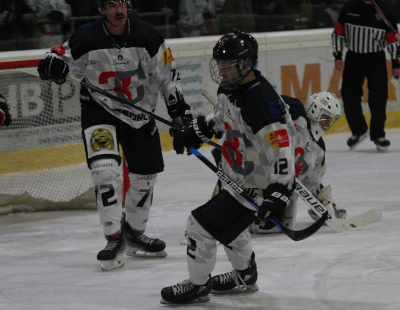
(309, 154)
(257, 149)
(135, 73)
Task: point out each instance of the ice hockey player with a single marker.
(5, 115)
(128, 58)
(257, 153)
(321, 111)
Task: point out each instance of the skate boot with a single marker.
(236, 281)
(112, 257)
(382, 145)
(138, 242)
(355, 140)
(186, 293)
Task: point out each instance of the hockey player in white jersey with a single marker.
(321, 111)
(128, 58)
(257, 154)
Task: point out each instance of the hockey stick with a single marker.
(295, 235)
(385, 19)
(337, 225)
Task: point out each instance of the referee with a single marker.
(365, 34)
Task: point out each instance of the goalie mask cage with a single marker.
(42, 157)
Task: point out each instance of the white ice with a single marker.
(48, 259)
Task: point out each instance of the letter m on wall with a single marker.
(311, 79)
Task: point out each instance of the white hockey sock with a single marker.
(138, 200)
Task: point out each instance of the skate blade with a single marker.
(118, 262)
(362, 138)
(238, 290)
(200, 299)
(381, 149)
(140, 253)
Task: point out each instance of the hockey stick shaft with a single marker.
(385, 19)
(128, 104)
(294, 235)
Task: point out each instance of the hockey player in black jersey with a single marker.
(257, 154)
(129, 59)
(5, 115)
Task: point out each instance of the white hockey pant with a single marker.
(108, 194)
(202, 251)
(138, 200)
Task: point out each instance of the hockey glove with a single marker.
(325, 196)
(192, 134)
(53, 68)
(5, 115)
(276, 199)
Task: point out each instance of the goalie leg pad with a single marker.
(108, 194)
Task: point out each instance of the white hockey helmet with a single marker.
(323, 110)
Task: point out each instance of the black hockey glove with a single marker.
(53, 68)
(5, 115)
(192, 134)
(276, 199)
(181, 117)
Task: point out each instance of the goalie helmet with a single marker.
(323, 110)
(234, 57)
(100, 4)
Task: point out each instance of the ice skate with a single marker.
(236, 281)
(355, 140)
(382, 145)
(186, 293)
(112, 257)
(138, 244)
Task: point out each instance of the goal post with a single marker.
(42, 157)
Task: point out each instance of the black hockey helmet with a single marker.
(237, 49)
(100, 4)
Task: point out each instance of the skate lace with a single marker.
(111, 245)
(234, 275)
(145, 239)
(182, 287)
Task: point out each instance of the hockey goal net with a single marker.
(42, 158)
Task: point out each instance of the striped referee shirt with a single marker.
(362, 30)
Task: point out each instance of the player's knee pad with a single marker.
(104, 175)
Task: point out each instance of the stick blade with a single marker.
(360, 220)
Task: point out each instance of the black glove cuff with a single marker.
(278, 193)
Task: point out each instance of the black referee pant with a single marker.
(373, 67)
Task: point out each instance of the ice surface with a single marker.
(48, 259)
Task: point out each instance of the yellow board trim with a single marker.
(47, 158)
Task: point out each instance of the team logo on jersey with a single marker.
(277, 139)
(378, 16)
(144, 57)
(274, 110)
(102, 139)
(167, 57)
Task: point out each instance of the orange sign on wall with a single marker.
(312, 80)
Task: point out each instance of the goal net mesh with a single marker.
(42, 158)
